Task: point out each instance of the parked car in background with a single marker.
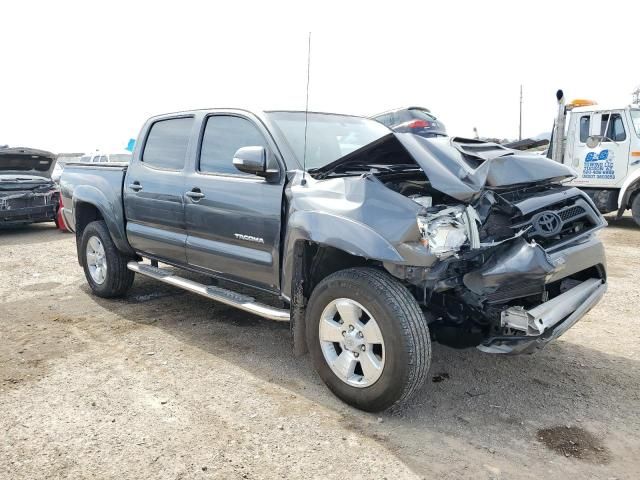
(27, 193)
(61, 161)
(418, 120)
(104, 157)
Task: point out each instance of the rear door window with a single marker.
(167, 143)
(223, 136)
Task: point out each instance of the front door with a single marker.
(605, 165)
(154, 191)
(233, 218)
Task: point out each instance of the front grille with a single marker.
(571, 212)
(557, 223)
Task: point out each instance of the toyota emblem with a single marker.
(547, 223)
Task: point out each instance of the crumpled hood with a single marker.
(460, 168)
(26, 163)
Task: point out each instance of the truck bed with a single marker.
(97, 184)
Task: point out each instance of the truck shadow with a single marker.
(488, 401)
(625, 222)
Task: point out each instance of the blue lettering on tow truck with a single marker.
(599, 165)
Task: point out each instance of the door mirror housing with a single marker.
(594, 140)
(256, 160)
(251, 160)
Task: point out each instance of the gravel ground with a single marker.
(165, 384)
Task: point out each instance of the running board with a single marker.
(222, 295)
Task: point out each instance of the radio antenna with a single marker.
(306, 115)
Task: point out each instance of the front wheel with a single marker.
(105, 267)
(368, 339)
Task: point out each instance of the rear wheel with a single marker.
(635, 209)
(105, 267)
(368, 338)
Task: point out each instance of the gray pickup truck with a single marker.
(371, 243)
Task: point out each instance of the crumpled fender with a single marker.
(342, 233)
(111, 212)
(333, 231)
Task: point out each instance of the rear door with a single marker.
(154, 190)
(233, 220)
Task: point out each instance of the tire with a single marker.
(404, 353)
(635, 209)
(115, 279)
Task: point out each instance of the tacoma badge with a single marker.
(248, 238)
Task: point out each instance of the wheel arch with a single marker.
(91, 204)
(310, 263)
(628, 191)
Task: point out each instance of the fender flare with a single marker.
(112, 213)
(630, 185)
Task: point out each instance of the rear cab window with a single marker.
(167, 143)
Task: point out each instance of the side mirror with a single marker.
(251, 160)
(594, 140)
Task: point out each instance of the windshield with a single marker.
(329, 136)
(635, 119)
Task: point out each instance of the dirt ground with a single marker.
(165, 384)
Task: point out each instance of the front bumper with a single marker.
(43, 213)
(554, 317)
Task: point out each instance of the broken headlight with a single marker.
(445, 231)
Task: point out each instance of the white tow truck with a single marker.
(602, 143)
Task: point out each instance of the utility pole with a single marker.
(520, 124)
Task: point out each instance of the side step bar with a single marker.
(222, 295)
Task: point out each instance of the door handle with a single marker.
(135, 186)
(195, 194)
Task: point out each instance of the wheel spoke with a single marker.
(93, 243)
(345, 364)
(91, 258)
(371, 366)
(371, 332)
(349, 311)
(330, 331)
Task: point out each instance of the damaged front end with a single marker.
(502, 255)
(516, 268)
(27, 193)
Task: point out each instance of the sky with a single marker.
(81, 76)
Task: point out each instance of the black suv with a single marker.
(416, 120)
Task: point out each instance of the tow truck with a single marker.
(602, 144)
